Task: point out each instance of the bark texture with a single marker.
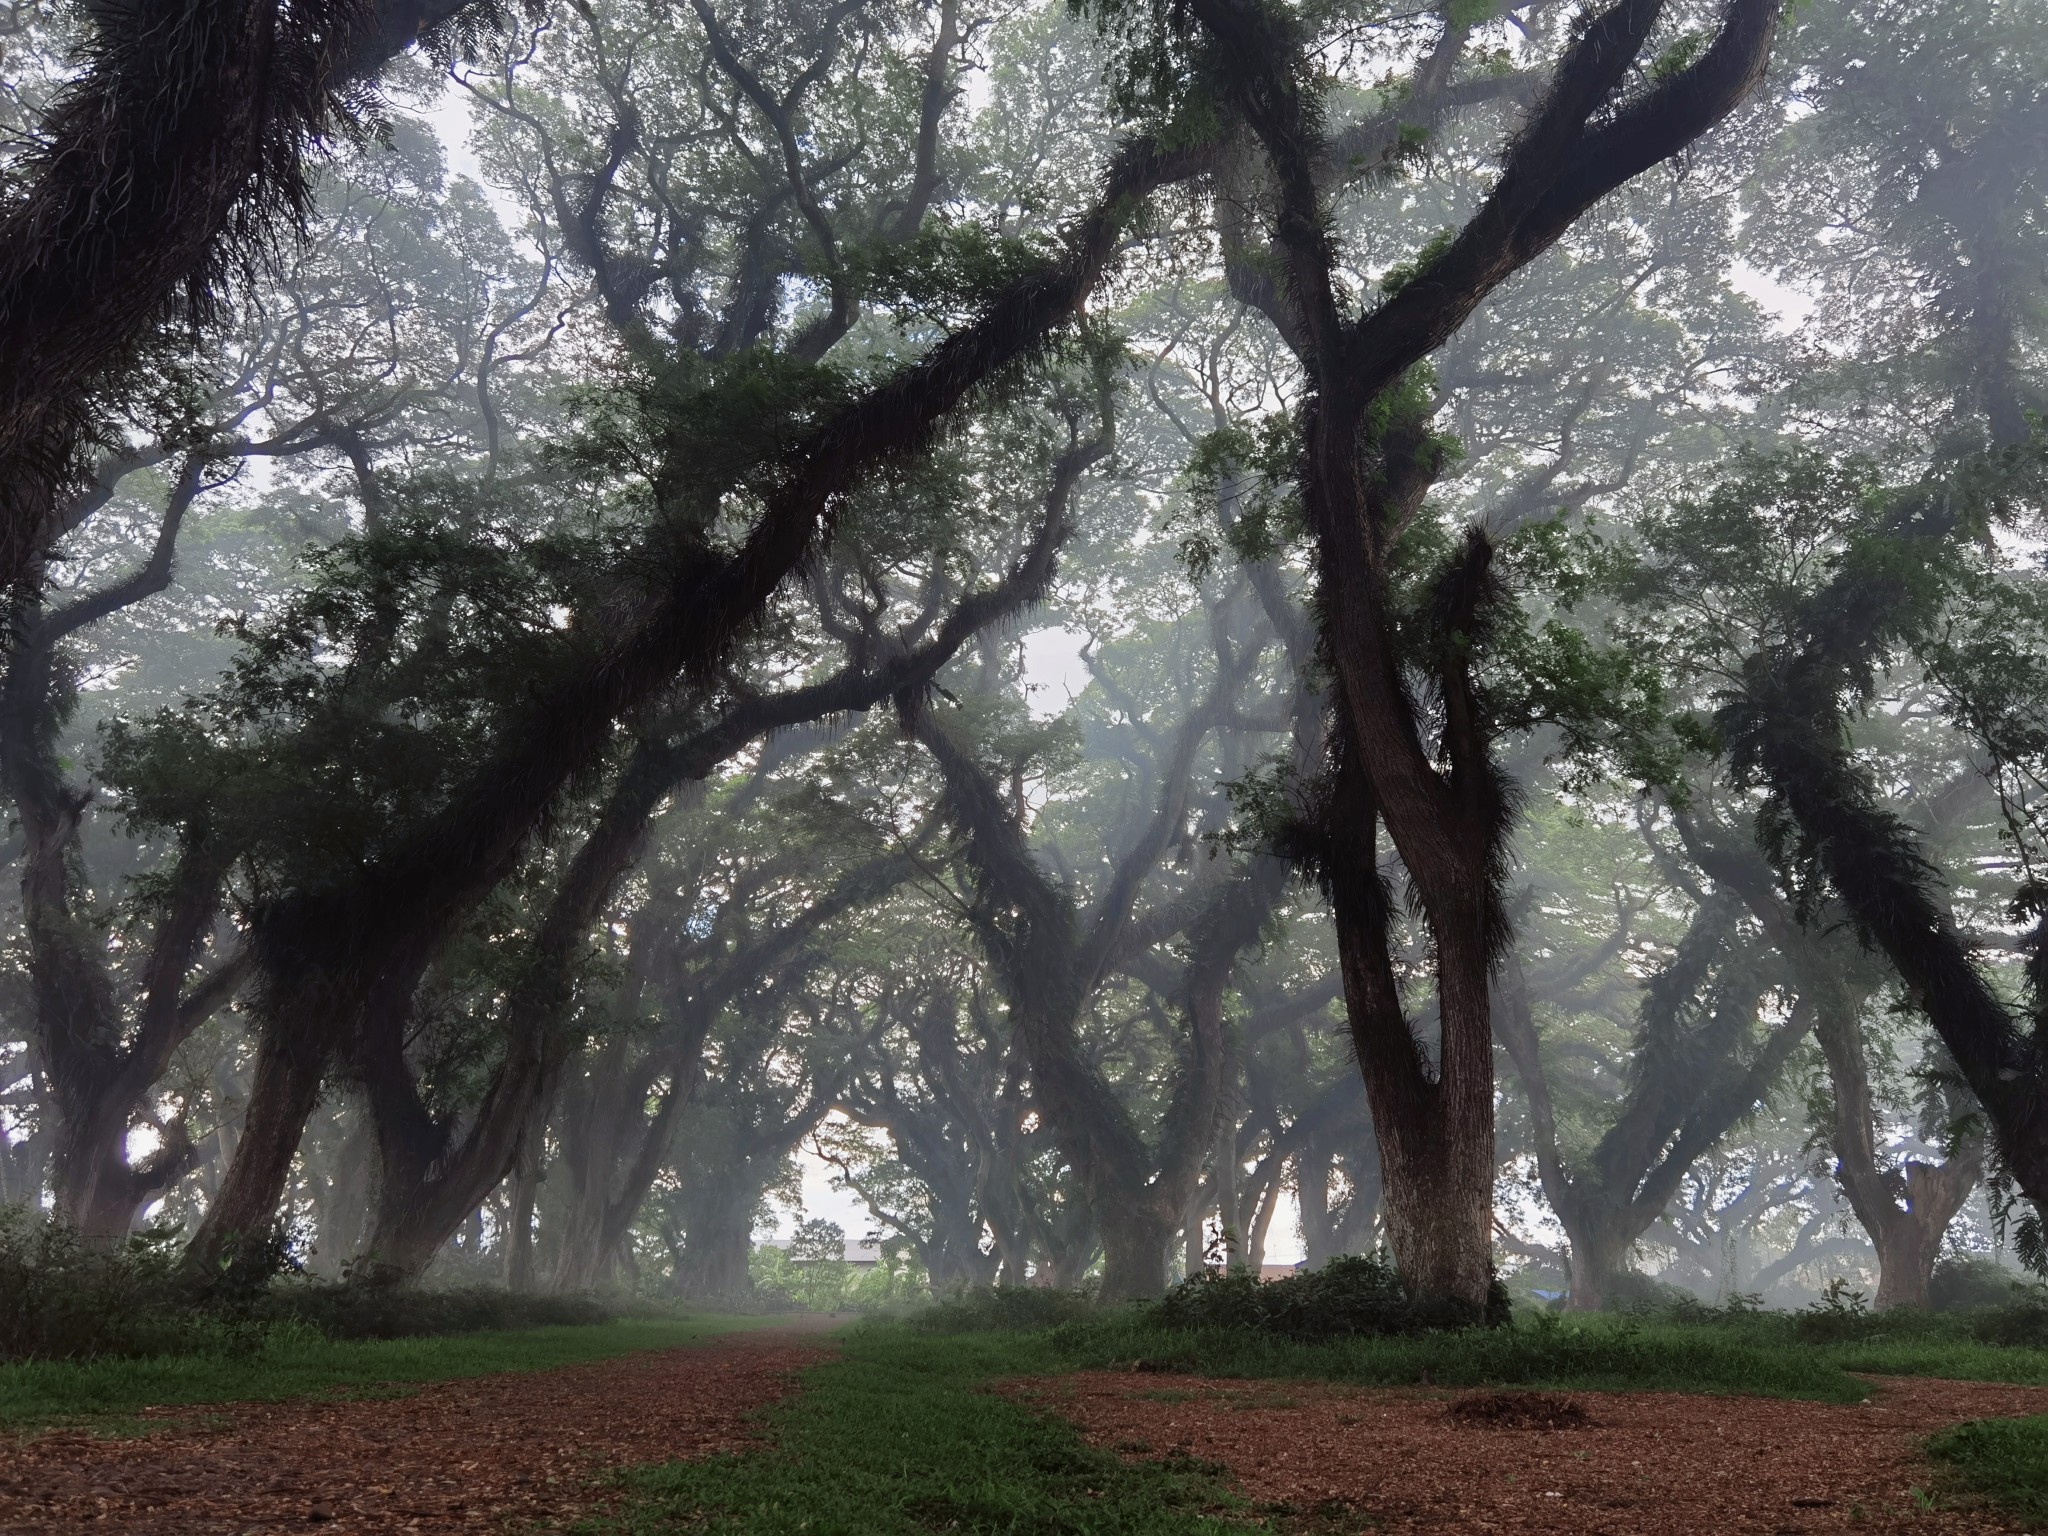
(178, 156)
(1439, 802)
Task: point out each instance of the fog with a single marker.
(1058, 645)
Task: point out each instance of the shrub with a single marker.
(1349, 1296)
(405, 1312)
(1007, 1309)
(62, 1297)
(1736, 1310)
(1971, 1284)
(2021, 1322)
(1633, 1291)
(1838, 1316)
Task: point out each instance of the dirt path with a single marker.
(1348, 1460)
(511, 1452)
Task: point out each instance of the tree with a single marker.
(1363, 466)
(169, 161)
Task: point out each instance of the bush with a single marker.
(1839, 1316)
(1633, 1291)
(63, 1298)
(1348, 1297)
(2022, 1322)
(1737, 1309)
(405, 1312)
(1973, 1284)
(1007, 1309)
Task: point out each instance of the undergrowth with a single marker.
(1212, 1329)
(1350, 1296)
(62, 1298)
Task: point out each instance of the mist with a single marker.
(1138, 642)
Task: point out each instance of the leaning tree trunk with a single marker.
(96, 1190)
(526, 1177)
(289, 1070)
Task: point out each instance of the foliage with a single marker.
(62, 1298)
(1350, 1296)
(813, 1275)
(1006, 1308)
(1970, 1283)
(2021, 1323)
(1841, 1313)
(411, 1312)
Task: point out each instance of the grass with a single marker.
(108, 1393)
(2003, 1460)
(1599, 1354)
(898, 1436)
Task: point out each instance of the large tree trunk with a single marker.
(289, 1069)
(1907, 1211)
(718, 1239)
(1439, 1202)
(1134, 1244)
(344, 1212)
(1598, 1256)
(1434, 1127)
(1362, 478)
(96, 1190)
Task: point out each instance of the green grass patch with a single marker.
(2004, 1460)
(1760, 1354)
(283, 1363)
(1597, 1354)
(900, 1435)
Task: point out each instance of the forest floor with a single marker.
(1321, 1457)
(900, 1430)
(518, 1450)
